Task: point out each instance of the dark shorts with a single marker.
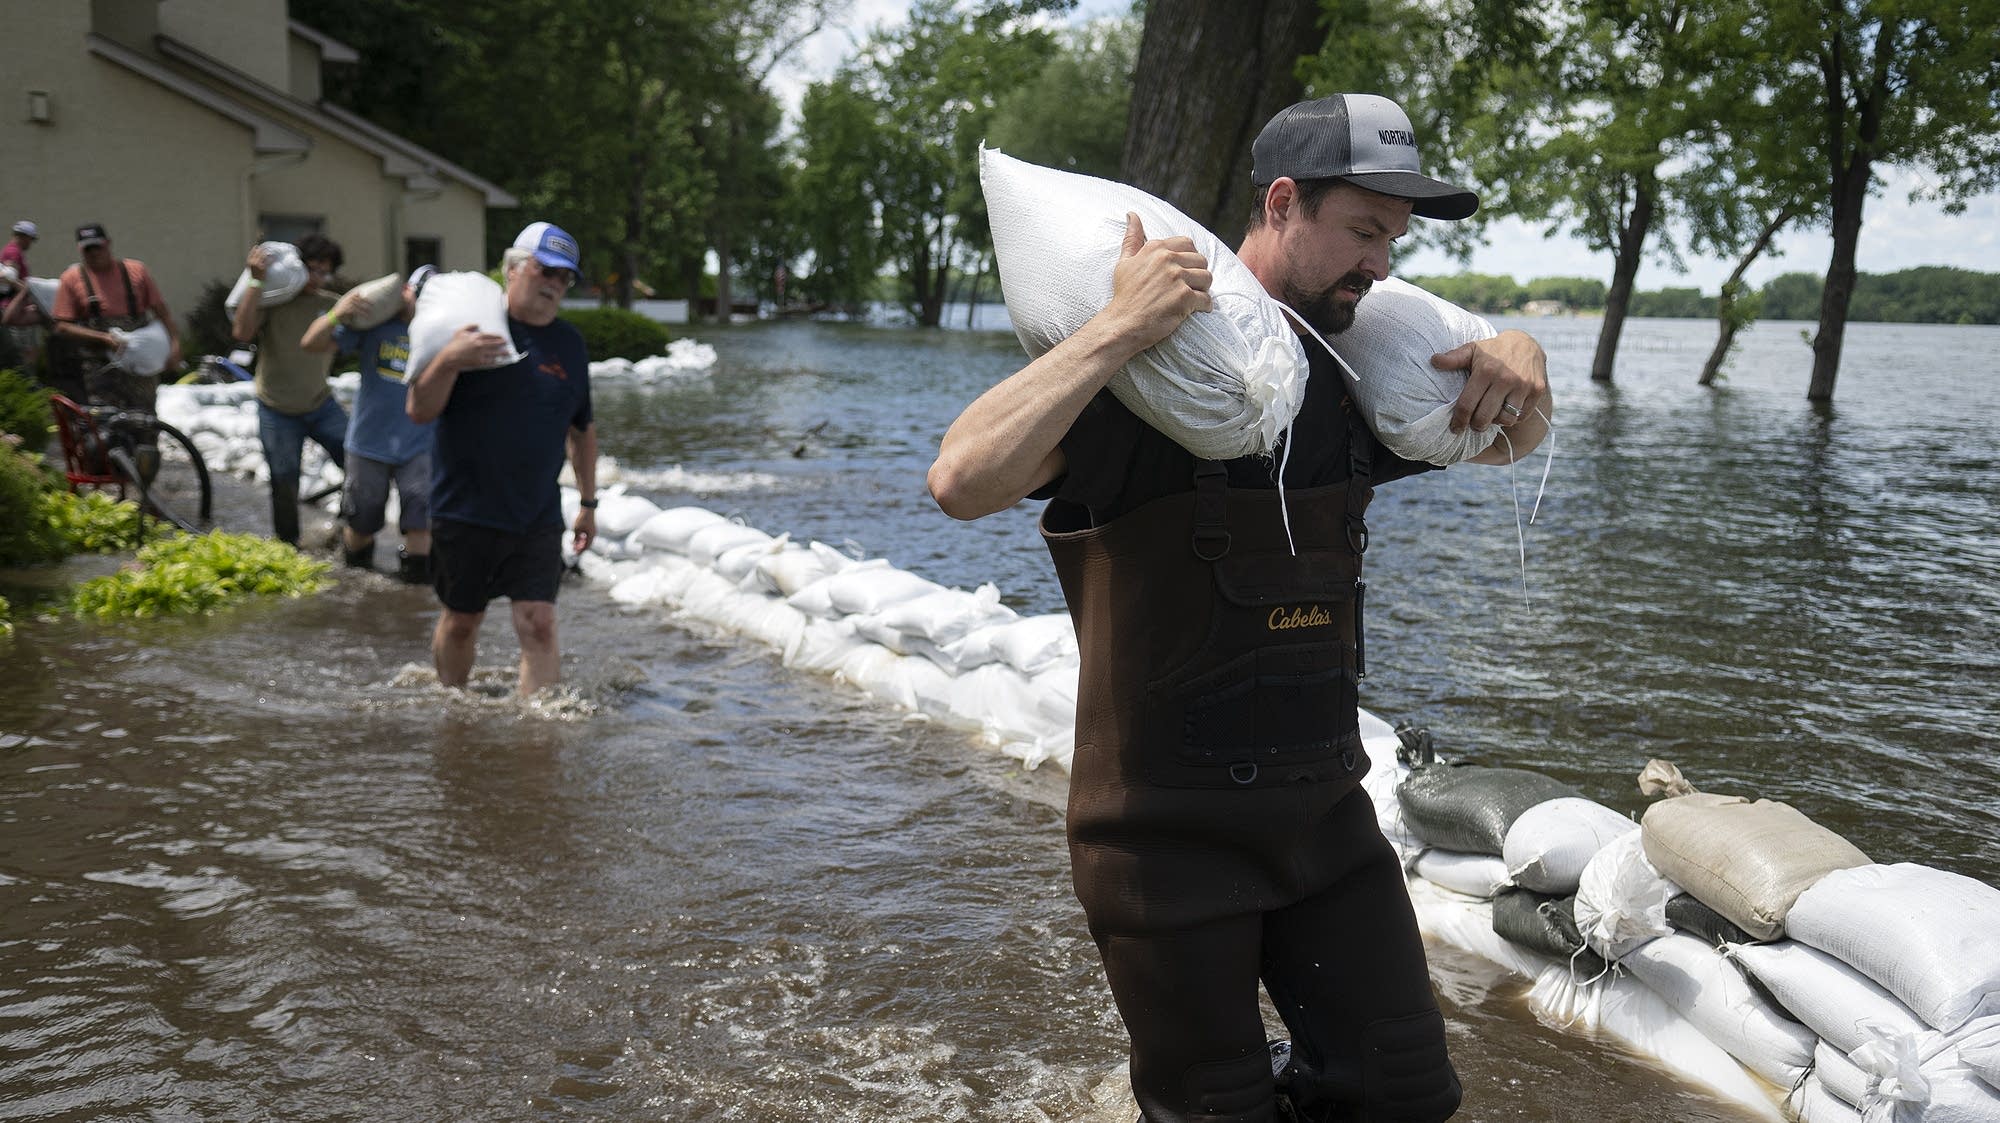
(472, 565)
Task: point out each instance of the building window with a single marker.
(422, 251)
(290, 227)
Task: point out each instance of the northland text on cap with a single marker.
(1364, 139)
(551, 245)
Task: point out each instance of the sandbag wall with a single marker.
(1852, 989)
(221, 419)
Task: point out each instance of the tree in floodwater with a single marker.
(928, 91)
(1905, 83)
(1208, 76)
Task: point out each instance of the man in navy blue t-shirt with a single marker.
(502, 434)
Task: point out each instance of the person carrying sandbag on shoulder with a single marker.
(294, 401)
(1219, 836)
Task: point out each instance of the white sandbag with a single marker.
(1931, 937)
(858, 590)
(1549, 844)
(739, 562)
(1813, 1103)
(1475, 875)
(671, 528)
(284, 278)
(1709, 991)
(449, 302)
(1618, 1005)
(43, 291)
(816, 599)
(948, 615)
(640, 588)
(380, 301)
(821, 645)
(777, 624)
(621, 516)
(1833, 999)
(1225, 384)
(1621, 900)
(1923, 1081)
(1979, 1047)
(872, 629)
(996, 699)
(1029, 644)
(1405, 400)
(711, 542)
(143, 350)
(795, 567)
(1839, 1075)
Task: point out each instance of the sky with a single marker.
(1895, 233)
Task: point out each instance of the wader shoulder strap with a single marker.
(1211, 510)
(97, 303)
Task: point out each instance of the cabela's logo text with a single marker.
(1311, 616)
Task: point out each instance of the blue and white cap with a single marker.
(551, 245)
(1365, 139)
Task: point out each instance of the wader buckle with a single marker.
(1211, 544)
(1238, 773)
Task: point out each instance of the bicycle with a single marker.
(131, 449)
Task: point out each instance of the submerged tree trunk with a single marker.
(1852, 167)
(1730, 319)
(1207, 78)
(1631, 249)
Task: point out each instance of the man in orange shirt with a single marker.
(99, 293)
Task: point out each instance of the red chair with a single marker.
(84, 446)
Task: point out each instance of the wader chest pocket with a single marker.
(1243, 722)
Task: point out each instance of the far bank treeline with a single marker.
(1931, 294)
(1651, 131)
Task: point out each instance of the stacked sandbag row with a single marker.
(958, 656)
(221, 421)
(683, 357)
(1858, 988)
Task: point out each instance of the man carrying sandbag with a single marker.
(383, 445)
(100, 294)
(294, 401)
(1218, 833)
(502, 434)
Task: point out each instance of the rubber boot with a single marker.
(363, 558)
(285, 510)
(413, 569)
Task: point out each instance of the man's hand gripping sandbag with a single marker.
(1225, 384)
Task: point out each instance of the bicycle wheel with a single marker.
(178, 491)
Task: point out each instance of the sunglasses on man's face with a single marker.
(561, 276)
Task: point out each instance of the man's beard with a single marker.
(1320, 307)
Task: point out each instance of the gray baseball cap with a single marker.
(1364, 139)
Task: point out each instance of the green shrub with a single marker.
(24, 409)
(6, 618)
(190, 573)
(614, 333)
(26, 538)
(207, 326)
(90, 523)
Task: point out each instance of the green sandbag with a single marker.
(1468, 807)
(1687, 914)
(1545, 924)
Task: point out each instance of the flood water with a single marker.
(257, 866)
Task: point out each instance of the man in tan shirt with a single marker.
(294, 401)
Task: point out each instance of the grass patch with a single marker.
(198, 573)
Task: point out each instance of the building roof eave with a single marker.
(330, 49)
(400, 158)
(268, 136)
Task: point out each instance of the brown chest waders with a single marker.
(1217, 836)
(103, 382)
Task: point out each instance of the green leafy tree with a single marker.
(1575, 292)
(1905, 83)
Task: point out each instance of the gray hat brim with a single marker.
(1429, 198)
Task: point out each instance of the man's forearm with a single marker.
(583, 460)
(243, 325)
(430, 390)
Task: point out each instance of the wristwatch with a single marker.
(587, 504)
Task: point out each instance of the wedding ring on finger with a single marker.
(1510, 409)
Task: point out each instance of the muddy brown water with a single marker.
(257, 866)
